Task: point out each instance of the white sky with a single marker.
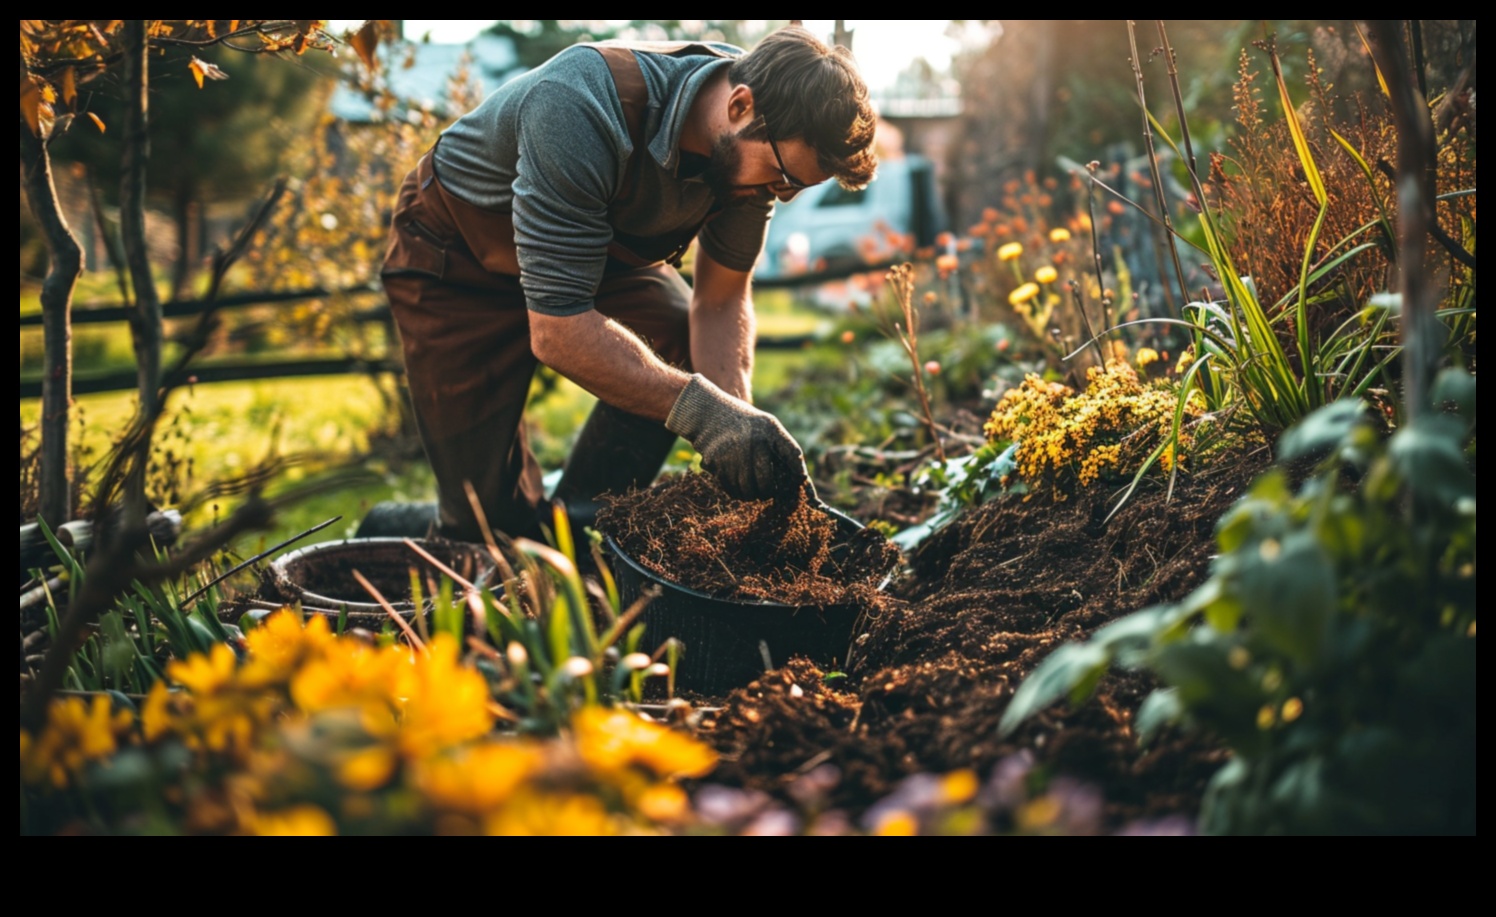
(883, 46)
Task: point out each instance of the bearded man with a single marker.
(547, 226)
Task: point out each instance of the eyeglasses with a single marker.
(793, 184)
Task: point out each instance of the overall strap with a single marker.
(633, 96)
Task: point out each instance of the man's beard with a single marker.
(722, 170)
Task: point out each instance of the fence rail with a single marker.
(241, 371)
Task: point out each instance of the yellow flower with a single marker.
(448, 702)
(1010, 251)
(297, 821)
(1145, 356)
(155, 715)
(612, 740)
(204, 673)
(1039, 813)
(663, 802)
(897, 824)
(282, 643)
(480, 778)
(352, 675)
(1046, 274)
(1023, 294)
(552, 815)
(958, 787)
(76, 733)
(366, 769)
(1059, 234)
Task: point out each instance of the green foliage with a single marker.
(1333, 646)
(548, 656)
(1300, 322)
(146, 627)
(961, 483)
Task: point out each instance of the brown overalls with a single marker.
(451, 274)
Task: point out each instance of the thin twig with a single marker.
(187, 602)
(389, 609)
(1153, 170)
(467, 587)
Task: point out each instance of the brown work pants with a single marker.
(453, 287)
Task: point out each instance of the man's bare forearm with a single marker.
(723, 329)
(608, 360)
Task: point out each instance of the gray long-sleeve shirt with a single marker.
(552, 147)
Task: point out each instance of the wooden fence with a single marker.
(241, 370)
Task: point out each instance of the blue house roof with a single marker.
(494, 61)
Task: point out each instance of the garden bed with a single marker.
(990, 597)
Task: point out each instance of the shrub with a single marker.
(1108, 432)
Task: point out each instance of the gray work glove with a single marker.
(749, 451)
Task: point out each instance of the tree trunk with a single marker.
(187, 216)
(145, 324)
(842, 37)
(1416, 158)
(65, 263)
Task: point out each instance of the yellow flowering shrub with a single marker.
(1068, 439)
(310, 733)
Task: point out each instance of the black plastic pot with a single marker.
(730, 642)
(320, 576)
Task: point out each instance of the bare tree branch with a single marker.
(64, 265)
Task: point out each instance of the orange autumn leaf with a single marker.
(365, 42)
(202, 69)
(69, 87)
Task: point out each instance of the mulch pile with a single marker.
(689, 531)
(990, 597)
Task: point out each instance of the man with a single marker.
(546, 225)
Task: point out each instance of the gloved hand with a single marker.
(749, 451)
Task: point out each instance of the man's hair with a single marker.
(804, 88)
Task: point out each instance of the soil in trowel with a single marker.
(689, 531)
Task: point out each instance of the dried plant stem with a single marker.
(901, 281)
(1153, 170)
(389, 609)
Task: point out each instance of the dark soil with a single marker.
(690, 532)
(991, 595)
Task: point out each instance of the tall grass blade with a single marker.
(1296, 130)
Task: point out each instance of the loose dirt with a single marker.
(991, 596)
(689, 531)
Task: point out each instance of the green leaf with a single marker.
(1288, 589)
(1456, 386)
(1224, 698)
(1300, 142)
(1135, 630)
(1056, 677)
(1427, 454)
(1160, 709)
(1321, 431)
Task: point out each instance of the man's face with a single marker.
(742, 170)
(722, 172)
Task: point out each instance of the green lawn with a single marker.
(324, 427)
